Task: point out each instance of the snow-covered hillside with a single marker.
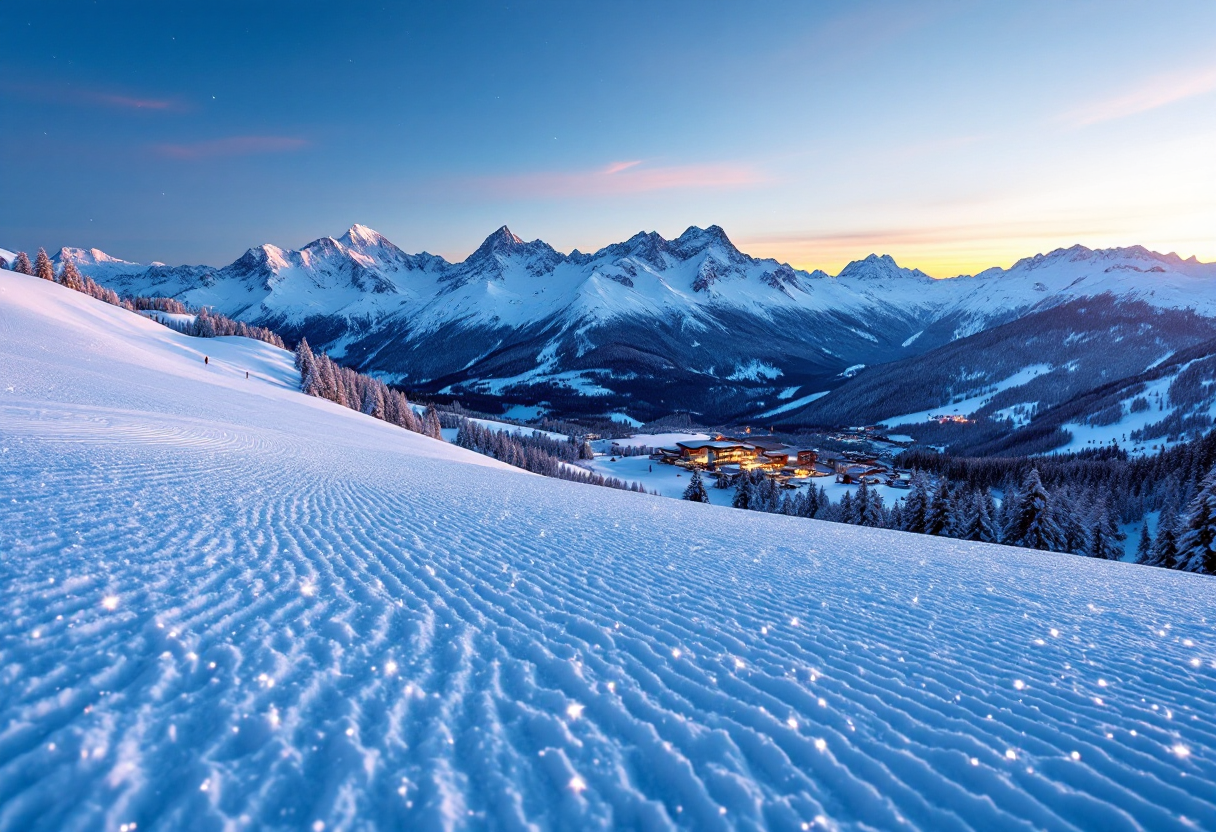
(226, 605)
(636, 324)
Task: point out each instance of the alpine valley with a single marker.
(1031, 358)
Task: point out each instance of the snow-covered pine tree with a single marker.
(743, 493)
(1144, 547)
(990, 511)
(695, 492)
(1114, 532)
(938, 519)
(1009, 501)
(861, 502)
(848, 511)
(875, 514)
(43, 267)
(979, 523)
(897, 515)
(722, 481)
(70, 277)
(916, 505)
(373, 402)
(21, 264)
(1165, 546)
(430, 422)
(1101, 544)
(303, 357)
(1031, 523)
(811, 502)
(1069, 512)
(1197, 543)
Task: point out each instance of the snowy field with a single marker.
(224, 605)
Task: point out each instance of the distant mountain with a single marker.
(648, 325)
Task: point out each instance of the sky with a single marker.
(951, 135)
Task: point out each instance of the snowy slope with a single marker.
(226, 605)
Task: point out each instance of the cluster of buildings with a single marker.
(729, 456)
(858, 467)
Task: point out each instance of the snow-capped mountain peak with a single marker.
(89, 257)
(1138, 256)
(360, 236)
(879, 267)
(696, 240)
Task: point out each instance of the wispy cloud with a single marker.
(231, 146)
(1158, 91)
(617, 179)
(89, 97)
(127, 102)
(617, 167)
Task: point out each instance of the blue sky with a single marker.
(953, 135)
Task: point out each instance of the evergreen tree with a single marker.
(874, 514)
(722, 481)
(43, 267)
(373, 402)
(695, 492)
(430, 422)
(993, 532)
(1165, 547)
(848, 513)
(304, 357)
(1009, 501)
(1031, 524)
(1144, 548)
(1114, 533)
(938, 519)
(1102, 544)
(896, 520)
(22, 264)
(979, 524)
(743, 492)
(70, 277)
(767, 494)
(1069, 513)
(861, 502)
(916, 506)
(1197, 543)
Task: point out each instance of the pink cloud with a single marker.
(1156, 92)
(618, 179)
(128, 102)
(83, 96)
(231, 146)
(617, 167)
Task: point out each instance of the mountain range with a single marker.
(651, 326)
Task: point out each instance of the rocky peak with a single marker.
(879, 267)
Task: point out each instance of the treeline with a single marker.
(206, 324)
(537, 453)
(69, 276)
(322, 377)
(1063, 519)
(1132, 487)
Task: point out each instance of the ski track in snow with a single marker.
(228, 606)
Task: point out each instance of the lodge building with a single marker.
(713, 454)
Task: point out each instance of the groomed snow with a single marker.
(794, 405)
(224, 605)
(968, 406)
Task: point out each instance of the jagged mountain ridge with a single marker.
(648, 324)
